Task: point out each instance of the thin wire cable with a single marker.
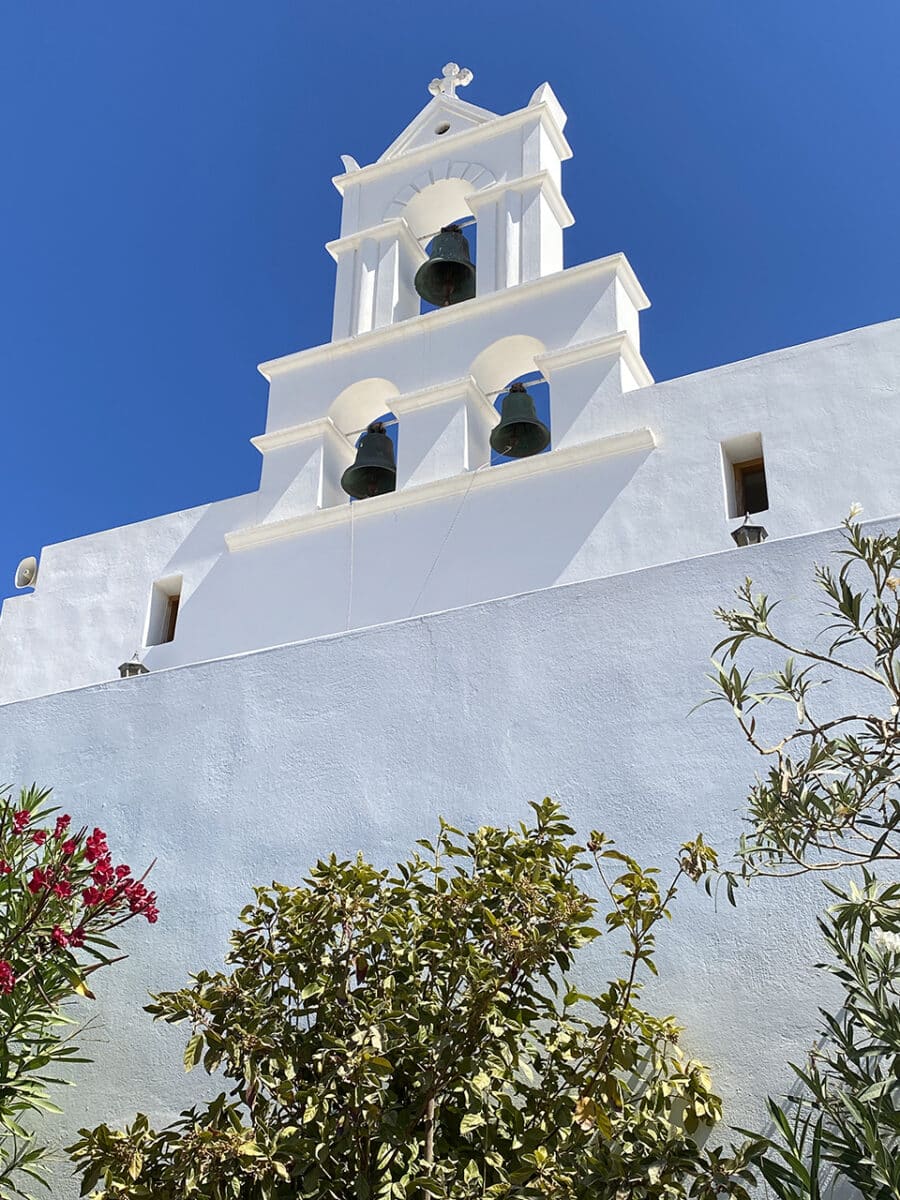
(446, 538)
(350, 580)
(538, 379)
(463, 223)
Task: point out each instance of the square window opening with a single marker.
(162, 616)
(744, 475)
(750, 486)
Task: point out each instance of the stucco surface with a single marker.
(634, 476)
(826, 411)
(235, 772)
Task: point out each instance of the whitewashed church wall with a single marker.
(234, 773)
(90, 612)
(827, 413)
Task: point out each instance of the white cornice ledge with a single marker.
(603, 347)
(321, 427)
(438, 489)
(542, 180)
(465, 388)
(397, 227)
(613, 264)
(465, 137)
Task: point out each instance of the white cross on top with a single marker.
(453, 77)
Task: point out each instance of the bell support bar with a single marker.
(533, 378)
(463, 223)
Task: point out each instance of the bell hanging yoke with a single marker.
(519, 434)
(374, 472)
(449, 274)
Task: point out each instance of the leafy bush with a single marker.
(829, 798)
(844, 1122)
(830, 794)
(413, 1033)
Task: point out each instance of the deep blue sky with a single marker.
(166, 196)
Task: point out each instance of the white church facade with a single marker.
(637, 475)
(316, 674)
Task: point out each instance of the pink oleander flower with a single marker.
(37, 881)
(96, 847)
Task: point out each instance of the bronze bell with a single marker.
(449, 275)
(375, 470)
(520, 433)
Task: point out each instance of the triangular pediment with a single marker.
(442, 111)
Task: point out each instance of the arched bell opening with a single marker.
(373, 471)
(506, 373)
(353, 412)
(444, 226)
(438, 204)
(523, 430)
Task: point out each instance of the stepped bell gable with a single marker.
(464, 208)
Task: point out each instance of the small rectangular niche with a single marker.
(744, 475)
(162, 617)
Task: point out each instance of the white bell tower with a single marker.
(440, 372)
(454, 160)
(450, 523)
